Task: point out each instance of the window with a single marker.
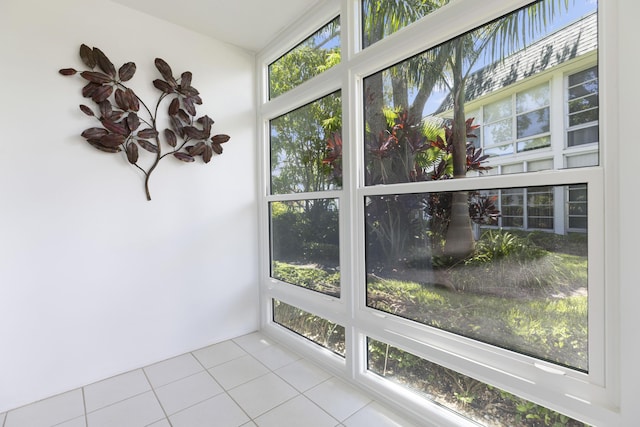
(317, 53)
(505, 293)
(305, 244)
(380, 20)
(582, 108)
(306, 147)
(316, 329)
(540, 208)
(460, 393)
(508, 130)
(432, 210)
(512, 204)
(577, 209)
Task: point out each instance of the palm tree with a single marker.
(450, 66)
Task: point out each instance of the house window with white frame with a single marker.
(411, 277)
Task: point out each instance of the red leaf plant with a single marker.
(121, 127)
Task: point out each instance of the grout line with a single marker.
(119, 401)
(153, 390)
(224, 390)
(84, 405)
(207, 370)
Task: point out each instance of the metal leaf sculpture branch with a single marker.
(122, 129)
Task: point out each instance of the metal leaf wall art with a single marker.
(127, 124)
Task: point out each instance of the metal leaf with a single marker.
(206, 123)
(152, 148)
(116, 116)
(184, 157)
(217, 148)
(127, 71)
(189, 106)
(165, 71)
(96, 143)
(132, 153)
(86, 54)
(121, 99)
(88, 111)
(185, 80)
(177, 125)
(192, 132)
(220, 139)
(196, 150)
(105, 109)
(96, 77)
(163, 86)
(148, 133)
(189, 91)
(104, 63)
(199, 148)
(132, 100)
(94, 133)
(117, 128)
(68, 71)
(183, 116)
(112, 140)
(208, 154)
(102, 93)
(90, 89)
(174, 107)
(170, 136)
(133, 122)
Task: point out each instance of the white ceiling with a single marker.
(249, 24)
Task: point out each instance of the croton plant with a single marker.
(126, 123)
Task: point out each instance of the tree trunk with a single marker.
(459, 238)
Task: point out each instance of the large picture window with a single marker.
(441, 190)
(524, 291)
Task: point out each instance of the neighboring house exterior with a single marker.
(518, 102)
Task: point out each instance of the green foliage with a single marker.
(299, 146)
(315, 328)
(540, 324)
(552, 328)
(528, 413)
(382, 17)
(497, 244)
(306, 60)
(308, 276)
(305, 232)
(459, 392)
(571, 243)
(505, 262)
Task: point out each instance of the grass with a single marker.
(553, 329)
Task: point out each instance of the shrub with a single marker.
(504, 262)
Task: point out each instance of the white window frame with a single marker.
(591, 397)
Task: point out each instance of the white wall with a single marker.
(95, 280)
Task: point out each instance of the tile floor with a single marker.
(244, 382)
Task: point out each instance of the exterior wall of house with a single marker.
(551, 61)
(94, 279)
